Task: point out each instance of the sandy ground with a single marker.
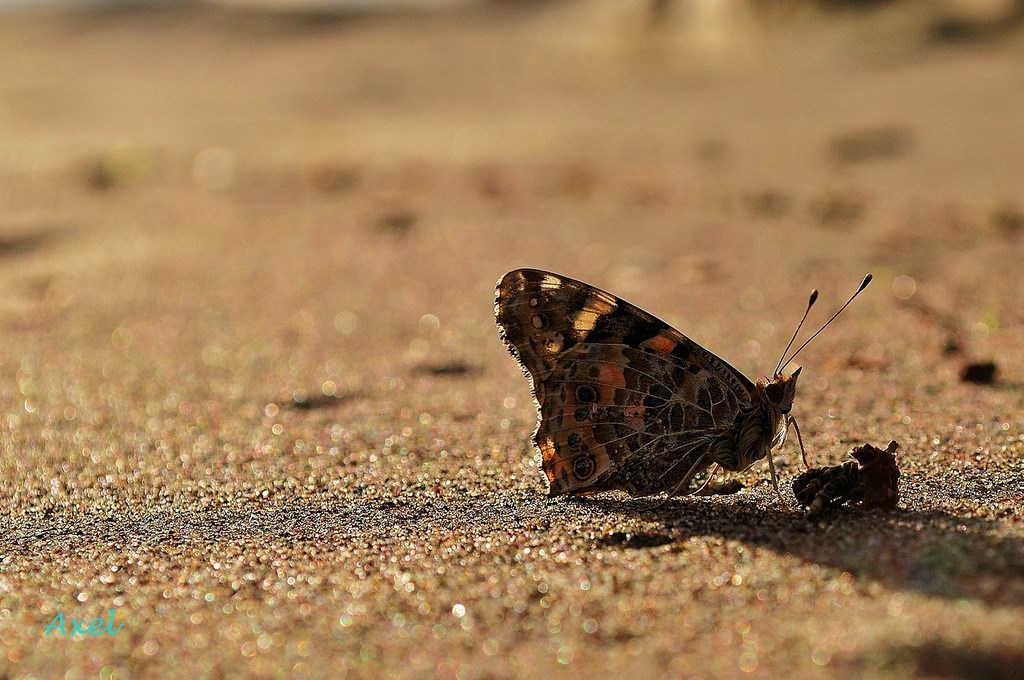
(253, 398)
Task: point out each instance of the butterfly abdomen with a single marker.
(748, 440)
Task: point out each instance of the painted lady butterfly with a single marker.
(627, 402)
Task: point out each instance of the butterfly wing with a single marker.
(626, 401)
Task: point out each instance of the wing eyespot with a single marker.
(586, 394)
(583, 468)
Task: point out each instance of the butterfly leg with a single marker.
(690, 474)
(711, 477)
(800, 440)
(775, 482)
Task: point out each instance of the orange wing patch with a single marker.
(660, 343)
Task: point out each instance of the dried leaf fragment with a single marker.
(871, 480)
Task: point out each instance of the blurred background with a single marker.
(395, 157)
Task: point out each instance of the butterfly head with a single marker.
(781, 390)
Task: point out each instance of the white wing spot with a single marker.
(550, 282)
(595, 307)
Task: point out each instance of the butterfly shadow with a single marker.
(932, 552)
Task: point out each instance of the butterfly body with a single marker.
(626, 401)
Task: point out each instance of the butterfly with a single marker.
(625, 401)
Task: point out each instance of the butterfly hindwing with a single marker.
(626, 401)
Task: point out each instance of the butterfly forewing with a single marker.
(626, 401)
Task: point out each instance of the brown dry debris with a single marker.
(979, 373)
(871, 480)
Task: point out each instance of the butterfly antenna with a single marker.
(810, 303)
(863, 284)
